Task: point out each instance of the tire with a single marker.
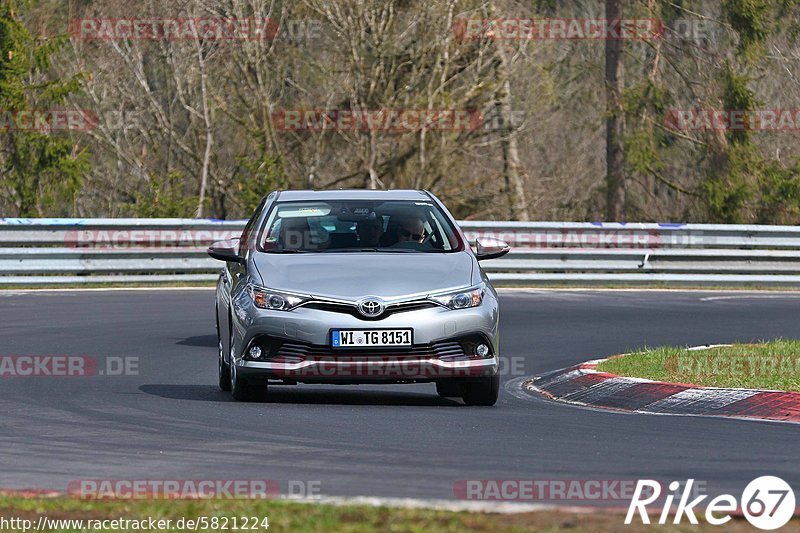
(224, 373)
(243, 390)
(224, 368)
(483, 392)
(448, 389)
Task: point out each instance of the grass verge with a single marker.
(293, 516)
(773, 365)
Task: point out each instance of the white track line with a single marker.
(514, 388)
(436, 504)
(777, 292)
(750, 296)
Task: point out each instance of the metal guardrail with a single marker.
(122, 251)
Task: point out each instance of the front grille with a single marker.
(353, 311)
(448, 349)
(298, 351)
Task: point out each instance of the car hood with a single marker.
(354, 275)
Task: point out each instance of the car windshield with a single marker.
(358, 226)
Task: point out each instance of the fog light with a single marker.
(482, 350)
(255, 352)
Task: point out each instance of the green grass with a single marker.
(282, 515)
(773, 365)
(302, 517)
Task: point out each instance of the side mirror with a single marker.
(226, 251)
(490, 249)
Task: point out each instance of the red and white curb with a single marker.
(584, 385)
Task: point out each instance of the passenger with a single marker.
(370, 232)
(295, 234)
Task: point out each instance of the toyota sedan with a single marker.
(356, 287)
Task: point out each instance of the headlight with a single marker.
(471, 297)
(275, 300)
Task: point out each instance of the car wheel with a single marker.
(224, 372)
(224, 368)
(241, 389)
(448, 389)
(483, 392)
(246, 391)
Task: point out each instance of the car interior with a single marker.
(322, 227)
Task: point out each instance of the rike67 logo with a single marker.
(768, 503)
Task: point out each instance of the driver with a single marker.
(411, 229)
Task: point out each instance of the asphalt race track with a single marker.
(172, 422)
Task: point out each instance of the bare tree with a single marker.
(512, 168)
(615, 118)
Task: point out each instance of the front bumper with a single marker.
(305, 355)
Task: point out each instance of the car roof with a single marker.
(354, 194)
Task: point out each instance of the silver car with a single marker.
(356, 286)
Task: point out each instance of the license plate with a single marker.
(371, 338)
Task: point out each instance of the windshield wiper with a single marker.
(348, 250)
(373, 250)
(288, 251)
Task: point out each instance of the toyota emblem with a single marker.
(371, 307)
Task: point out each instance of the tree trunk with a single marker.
(372, 158)
(615, 120)
(209, 136)
(514, 183)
